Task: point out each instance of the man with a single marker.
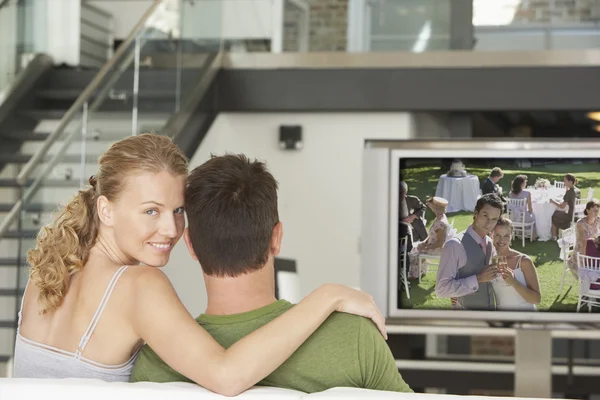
(412, 211)
(464, 271)
(235, 233)
(490, 185)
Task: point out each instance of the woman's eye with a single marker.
(179, 210)
(151, 212)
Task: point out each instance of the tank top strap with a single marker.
(20, 314)
(92, 326)
(518, 266)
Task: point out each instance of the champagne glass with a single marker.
(502, 265)
(495, 262)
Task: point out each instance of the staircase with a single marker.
(57, 121)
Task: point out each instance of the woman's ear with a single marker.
(105, 212)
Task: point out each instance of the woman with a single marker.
(96, 266)
(518, 191)
(586, 228)
(560, 218)
(435, 238)
(518, 288)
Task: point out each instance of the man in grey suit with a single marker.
(412, 211)
(464, 271)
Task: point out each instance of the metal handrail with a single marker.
(83, 98)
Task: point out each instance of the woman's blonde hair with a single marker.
(63, 246)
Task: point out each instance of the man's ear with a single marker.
(105, 211)
(188, 243)
(276, 237)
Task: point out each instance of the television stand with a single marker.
(533, 362)
(532, 367)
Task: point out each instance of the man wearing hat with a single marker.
(412, 211)
(434, 242)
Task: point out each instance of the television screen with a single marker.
(492, 227)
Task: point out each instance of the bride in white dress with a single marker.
(517, 286)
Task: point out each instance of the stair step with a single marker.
(34, 207)
(24, 158)
(11, 262)
(7, 324)
(46, 183)
(44, 114)
(72, 94)
(25, 136)
(24, 234)
(11, 292)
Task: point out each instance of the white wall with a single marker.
(126, 13)
(319, 193)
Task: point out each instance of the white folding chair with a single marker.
(450, 232)
(566, 243)
(559, 185)
(402, 255)
(588, 272)
(578, 209)
(516, 213)
(590, 195)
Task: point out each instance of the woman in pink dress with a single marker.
(586, 228)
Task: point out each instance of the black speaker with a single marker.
(290, 137)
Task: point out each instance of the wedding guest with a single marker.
(518, 191)
(518, 288)
(490, 185)
(435, 240)
(562, 219)
(586, 228)
(592, 249)
(412, 211)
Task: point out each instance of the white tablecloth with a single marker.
(543, 210)
(461, 193)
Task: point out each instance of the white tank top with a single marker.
(37, 360)
(507, 297)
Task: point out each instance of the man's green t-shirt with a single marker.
(345, 351)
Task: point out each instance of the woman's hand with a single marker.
(355, 302)
(508, 275)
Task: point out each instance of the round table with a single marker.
(543, 210)
(461, 192)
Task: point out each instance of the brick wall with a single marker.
(328, 26)
(559, 11)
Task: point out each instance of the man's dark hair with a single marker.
(231, 206)
(496, 172)
(489, 199)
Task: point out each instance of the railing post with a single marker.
(84, 126)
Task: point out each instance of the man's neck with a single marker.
(480, 234)
(241, 294)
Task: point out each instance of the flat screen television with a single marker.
(456, 172)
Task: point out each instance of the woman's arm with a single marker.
(580, 240)
(162, 321)
(531, 292)
(440, 235)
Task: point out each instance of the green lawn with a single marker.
(422, 182)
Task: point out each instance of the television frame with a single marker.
(379, 235)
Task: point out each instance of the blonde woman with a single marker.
(518, 286)
(96, 292)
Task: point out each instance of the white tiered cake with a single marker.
(457, 169)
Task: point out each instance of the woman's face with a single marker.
(524, 185)
(568, 183)
(593, 212)
(148, 217)
(502, 237)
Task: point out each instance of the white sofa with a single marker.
(89, 389)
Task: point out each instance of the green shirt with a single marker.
(345, 351)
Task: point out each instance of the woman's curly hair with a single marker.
(63, 246)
